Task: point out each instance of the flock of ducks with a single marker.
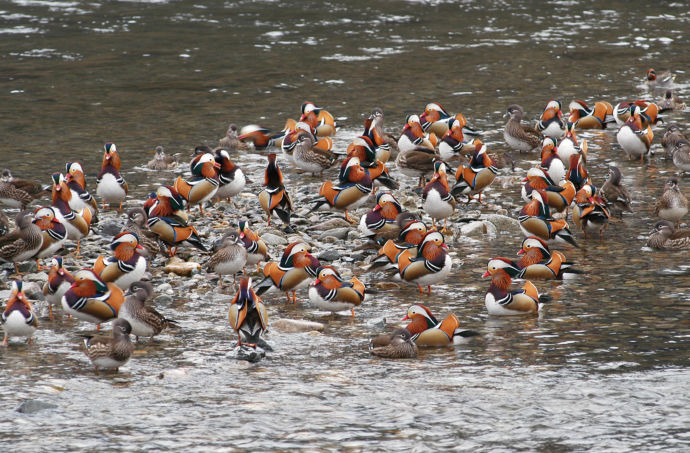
(117, 285)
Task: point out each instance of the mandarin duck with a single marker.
(230, 258)
(634, 137)
(231, 141)
(665, 237)
(558, 197)
(417, 162)
(203, 184)
(362, 148)
(231, 178)
(590, 213)
(18, 319)
(584, 117)
(662, 79)
(671, 101)
(331, 293)
(262, 138)
(518, 136)
(577, 172)
(162, 161)
(381, 220)
(426, 330)
(353, 190)
(537, 261)
(429, 266)
(257, 250)
(126, 266)
(76, 182)
(275, 198)
(168, 221)
(313, 156)
(320, 120)
(649, 112)
(477, 175)
(672, 204)
(289, 142)
(59, 281)
(535, 220)
(77, 223)
(437, 199)
(136, 223)
(34, 188)
(569, 145)
(551, 122)
(91, 299)
(413, 136)
(247, 315)
(681, 156)
(500, 301)
(13, 197)
(614, 194)
(453, 144)
(111, 186)
(435, 119)
(671, 138)
(398, 345)
(550, 162)
(296, 266)
(23, 243)
(52, 230)
(412, 232)
(384, 144)
(144, 320)
(110, 353)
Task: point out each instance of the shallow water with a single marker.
(605, 365)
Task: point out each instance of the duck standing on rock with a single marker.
(53, 231)
(76, 182)
(352, 191)
(380, 221)
(437, 200)
(91, 299)
(230, 259)
(168, 221)
(430, 265)
(476, 176)
(551, 122)
(111, 186)
(257, 250)
(275, 198)
(231, 178)
(126, 265)
(77, 223)
(247, 315)
(296, 266)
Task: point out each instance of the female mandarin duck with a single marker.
(296, 266)
(168, 221)
(477, 175)
(550, 162)
(59, 281)
(453, 144)
(231, 141)
(535, 220)
(665, 237)
(144, 320)
(437, 199)
(108, 353)
(257, 250)
(671, 101)
(417, 162)
(429, 266)
(353, 190)
(321, 121)
(162, 161)
(231, 178)
(23, 243)
(537, 261)
(551, 122)
(291, 138)
(91, 299)
(76, 182)
(398, 345)
(384, 144)
(500, 301)
(33, 188)
(126, 265)
(13, 197)
(77, 223)
(111, 187)
(53, 232)
(381, 221)
(614, 194)
(437, 120)
(518, 136)
(672, 204)
(412, 232)
(230, 259)
(671, 138)
(569, 145)
(426, 330)
(331, 293)
(18, 319)
(312, 156)
(413, 135)
(203, 184)
(634, 137)
(590, 213)
(585, 117)
(247, 315)
(275, 198)
(681, 156)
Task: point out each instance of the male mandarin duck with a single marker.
(672, 204)
(426, 330)
(77, 223)
(59, 281)
(321, 121)
(569, 145)
(551, 122)
(500, 301)
(518, 136)
(429, 266)
(257, 250)
(378, 172)
(91, 299)
(111, 186)
(231, 178)
(537, 261)
(662, 79)
(203, 184)
(557, 197)
(585, 117)
(477, 175)
(168, 221)
(384, 144)
(550, 162)
(453, 144)
(230, 258)
(634, 137)
(590, 213)
(413, 135)
(671, 101)
(437, 199)
(275, 198)
(353, 189)
(331, 293)
(381, 221)
(535, 220)
(364, 149)
(144, 320)
(649, 112)
(437, 120)
(126, 265)
(665, 237)
(162, 161)
(231, 141)
(18, 319)
(398, 345)
(110, 353)
(262, 138)
(412, 232)
(53, 232)
(76, 182)
(247, 315)
(671, 138)
(614, 194)
(289, 142)
(681, 156)
(23, 243)
(577, 172)
(296, 266)
(313, 156)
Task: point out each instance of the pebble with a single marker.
(478, 228)
(296, 325)
(249, 354)
(338, 233)
(164, 288)
(273, 239)
(33, 406)
(39, 277)
(33, 291)
(503, 223)
(330, 224)
(329, 255)
(181, 267)
(163, 299)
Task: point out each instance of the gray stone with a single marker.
(39, 277)
(296, 325)
(33, 406)
(338, 233)
(33, 291)
(27, 267)
(164, 288)
(109, 228)
(503, 222)
(249, 354)
(330, 224)
(329, 255)
(163, 299)
(478, 229)
(273, 239)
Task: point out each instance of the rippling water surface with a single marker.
(604, 367)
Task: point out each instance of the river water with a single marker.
(603, 368)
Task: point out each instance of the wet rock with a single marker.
(180, 267)
(39, 277)
(273, 239)
(5, 294)
(296, 325)
(478, 229)
(33, 291)
(503, 222)
(27, 267)
(338, 233)
(329, 255)
(249, 354)
(109, 228)
(387, 285)
(164, 288)
(330, 224)
(163, 299)
(330, 239)
(33, 406)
